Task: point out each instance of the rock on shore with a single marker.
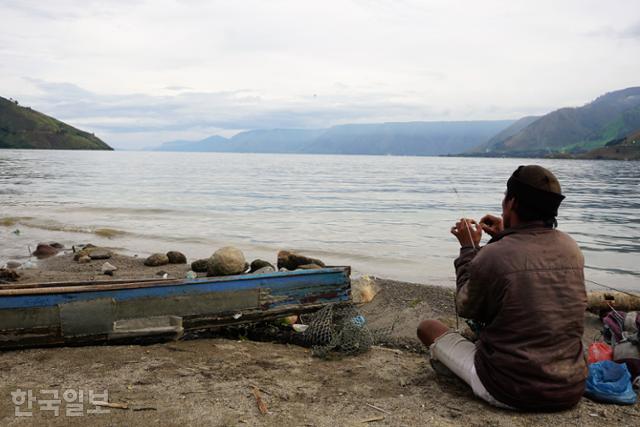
(45, 250)
(176, 257)
(226, 261)
(92, 252)
(156, 260)
(293, 261)
(259, 264)
(200, 265)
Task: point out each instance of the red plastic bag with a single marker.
(599, 351)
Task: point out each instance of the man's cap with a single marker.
(538, 188)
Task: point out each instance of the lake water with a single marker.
(386, 216)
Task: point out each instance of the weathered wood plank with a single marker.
(84, 283)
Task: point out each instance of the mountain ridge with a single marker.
(572, 130)
(23, 127)
(627, 148)
(392, 138)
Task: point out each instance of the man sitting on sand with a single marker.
(526, 290)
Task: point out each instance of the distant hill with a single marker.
(253, 141)
(571, 130)
(516, 127)
(182, 145)
(627, 148)
(412, 138)
(22, 127)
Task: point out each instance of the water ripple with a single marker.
(388, 216)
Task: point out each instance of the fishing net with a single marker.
(338, 330)
(333, 331)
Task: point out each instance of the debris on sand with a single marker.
(108, 269)
(262, 407)
(364, 290)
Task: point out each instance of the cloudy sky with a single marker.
(138, 73)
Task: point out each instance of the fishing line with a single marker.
(465, 221)
(455, 294)
(612, 288)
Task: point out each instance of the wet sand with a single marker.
(210, 381)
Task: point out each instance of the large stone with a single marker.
(258, 264)
(200, 266)
(226, 261)
(293, 261)
(56, 245)
(176, 257)
(156, 260)
(99, 253)
(84, 259)
(45, 250)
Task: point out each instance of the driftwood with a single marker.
(378, 408)
(262, 407)
(605, 300)
(372, 419)
(111, 405)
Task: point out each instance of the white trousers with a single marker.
(457, 353)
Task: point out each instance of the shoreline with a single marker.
(124, 242)
(211, 380)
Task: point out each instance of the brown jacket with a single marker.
(527, 287)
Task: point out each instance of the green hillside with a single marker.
(507, 133)
(573, 131)
(627, 148)
(22, 127)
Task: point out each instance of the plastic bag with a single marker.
(610, 382)
(599, 351)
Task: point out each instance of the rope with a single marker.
(612, 288)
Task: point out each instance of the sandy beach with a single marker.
(212, 381)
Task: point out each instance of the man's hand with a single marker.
(468, 235)
(492, 225)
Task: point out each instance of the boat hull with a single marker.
(76, 313)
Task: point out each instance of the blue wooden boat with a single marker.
(62, 313)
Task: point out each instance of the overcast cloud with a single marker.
(138, 73)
